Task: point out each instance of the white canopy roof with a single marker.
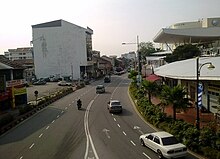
(186, 69)
(188, 35)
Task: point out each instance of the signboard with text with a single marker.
(15, 83)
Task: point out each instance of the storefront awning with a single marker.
(153, 78)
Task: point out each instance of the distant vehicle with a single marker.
(39, 82)
(64, 83)
(86, 81)
(164, 144)
(114, 106)
(107, 80)
(100, 89)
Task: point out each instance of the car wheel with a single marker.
(142, 142)
(160, 155)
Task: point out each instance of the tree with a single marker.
(175, 96)
(146, 48)
(133, 75)
(149, 88)
(183, 52)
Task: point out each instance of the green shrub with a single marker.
(211, 153)
(25, 109)
(191, 139)
(207, 137)
(5, 119)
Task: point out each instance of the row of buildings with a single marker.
(59, 49)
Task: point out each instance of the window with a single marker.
(150, 137)
(156, 139)
(169, 140)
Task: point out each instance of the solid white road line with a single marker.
(88, 136)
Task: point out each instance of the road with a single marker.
(62, 131)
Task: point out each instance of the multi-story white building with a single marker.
(61, 48)
(204, 32)
(19, 53)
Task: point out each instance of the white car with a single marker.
(114, 106)
(164, 144)
(64, 83)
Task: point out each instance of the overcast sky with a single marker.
(112, 21)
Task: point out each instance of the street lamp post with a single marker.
(198, 97)
(139, 58)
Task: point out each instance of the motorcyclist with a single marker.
(79, 103)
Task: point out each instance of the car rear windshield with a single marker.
(116, 103)
(99, 87)
(169, 140)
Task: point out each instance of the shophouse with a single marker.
(12, 84)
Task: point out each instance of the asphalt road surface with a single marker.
(60, 131)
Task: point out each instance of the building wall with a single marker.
(203, 23)
(58, 49)
(211, 22)
(19, 53)
(184, 25)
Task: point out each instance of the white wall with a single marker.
(57, 48)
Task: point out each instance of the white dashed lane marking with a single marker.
(124, 133)
(31, 146)
(132, 142)
(146, 155)
(40, 135)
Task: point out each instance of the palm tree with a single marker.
(150, 88)
(175, 96)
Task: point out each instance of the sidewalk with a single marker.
(188, 116)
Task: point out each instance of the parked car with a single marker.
(164, 144)
(100, 89)
(64, 83)
(39, 82)
(114, 106)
